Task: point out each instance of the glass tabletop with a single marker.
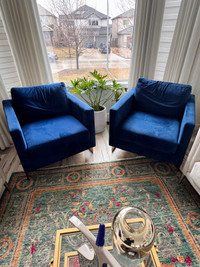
(69, 240)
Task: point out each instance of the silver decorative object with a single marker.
(133, 235)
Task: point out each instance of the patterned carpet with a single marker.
(35, 209)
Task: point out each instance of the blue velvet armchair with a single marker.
(155, 119)
(48, 124)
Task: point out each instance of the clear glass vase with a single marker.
(133, 235)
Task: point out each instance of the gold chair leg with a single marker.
(6, 186)
(91, 149)
(113, 148)
(27, 175)
(51, 263)
(182, 177)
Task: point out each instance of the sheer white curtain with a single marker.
(22, 23)
(183, 63)
(5, 139)
(148, 23)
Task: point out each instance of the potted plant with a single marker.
(96, 93)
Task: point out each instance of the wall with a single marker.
(167, 31)
(114, 28)
(8, 69)
(104, 23)
(48, 20)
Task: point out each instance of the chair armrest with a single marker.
(187, 124)
(84, 113)
(14, 127)
(119, 112)
(122, 108)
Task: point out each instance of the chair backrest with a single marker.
(40, 102)
(162, 98)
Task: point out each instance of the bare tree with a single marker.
(73, 27)
(125, 5)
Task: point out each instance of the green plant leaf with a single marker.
(76, 90)
(94, 88)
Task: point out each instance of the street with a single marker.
(91, 58)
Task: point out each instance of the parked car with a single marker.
(89, 45)
(103, 48)
(130, 46)
(52, 57)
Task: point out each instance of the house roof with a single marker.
(86, 11)
(44, 12)
(127, 14)
(46, 28)
(126, 31)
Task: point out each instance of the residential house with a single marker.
(49, 25)
(93, 25)
(122, 29)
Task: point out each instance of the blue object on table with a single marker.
(100, 236)
(155, 119)
(100, 239)
(48, 124)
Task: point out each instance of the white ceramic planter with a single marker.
(100, 120)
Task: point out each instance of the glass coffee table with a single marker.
(69, 240)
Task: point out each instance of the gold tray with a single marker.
(55, 262)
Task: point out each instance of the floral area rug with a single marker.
(35, 209)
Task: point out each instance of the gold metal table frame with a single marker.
(55, 262)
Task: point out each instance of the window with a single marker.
(76, 42)
(93, 22)
(81, 46)
(125, 22)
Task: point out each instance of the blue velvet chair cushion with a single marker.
(39, 102)
(162, 98)
(54, 135)
(150, 130)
